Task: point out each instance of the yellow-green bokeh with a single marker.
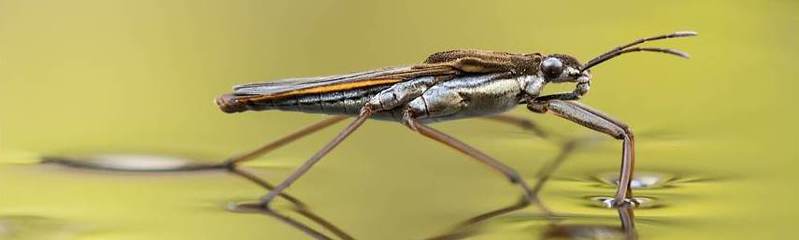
(141, 76)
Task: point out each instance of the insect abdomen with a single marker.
(347, 102)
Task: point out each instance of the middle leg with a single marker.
(366, 112)
(441, 137)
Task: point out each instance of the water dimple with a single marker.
(637, 202)
(245, 207)
(253, 207)
(129, 162)
(640, 179)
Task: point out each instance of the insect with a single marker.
(448, 85)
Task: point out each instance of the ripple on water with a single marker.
(641, 180)
(583, 232)
(129, 162)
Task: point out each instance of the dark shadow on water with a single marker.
(323, 229)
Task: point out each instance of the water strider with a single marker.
(448, 85)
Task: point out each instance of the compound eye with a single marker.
(552, 68)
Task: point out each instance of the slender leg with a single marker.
(365, 114)
(283, 141)
(519, 122)
(441, 137)
(600, 122)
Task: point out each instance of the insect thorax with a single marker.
(470, 96)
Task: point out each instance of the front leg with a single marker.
(580, 90)
(600, 122)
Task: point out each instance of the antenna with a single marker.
(627, 48)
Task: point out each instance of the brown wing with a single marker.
(452, 55)
(482, 61)
(295, 86)
(439, 64)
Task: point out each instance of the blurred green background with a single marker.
(85, 77)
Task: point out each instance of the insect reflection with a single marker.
(471, 227)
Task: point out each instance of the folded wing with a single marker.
(446, 65)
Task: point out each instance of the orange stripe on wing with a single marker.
(324, 89)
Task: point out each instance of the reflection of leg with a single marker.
(543, 177)
(523, 123)
(299, 206)
(546, 172)
(257, 208)
(327, 225)
(465, 228)
(431, 133)
(296, 224)
(249, 176)
(600, 122)
(365, 114)
(627, 217)
(283, 141)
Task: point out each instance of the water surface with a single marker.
(716, 149)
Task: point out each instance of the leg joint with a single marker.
(537, 106)
(230, 165)
(625, 132)
(513, 176)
